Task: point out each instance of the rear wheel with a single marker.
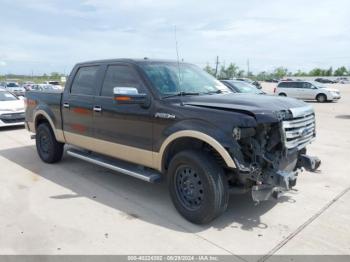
(282, 94)
(321, 98)
(197, 186)
(49, 149)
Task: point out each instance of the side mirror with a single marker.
(129, 95)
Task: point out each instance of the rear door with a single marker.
(77, 106)
(286, 87)
(123, 131)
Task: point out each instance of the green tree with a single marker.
(209, 70)
(262, 76)
(231, 70)
(300, 73)
(315, 72)
(280, 72)
(329, 72)
(341, 71)
(222, 74)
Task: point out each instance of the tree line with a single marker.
(232, 71)
(54, 76)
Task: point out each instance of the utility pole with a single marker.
(216, 65)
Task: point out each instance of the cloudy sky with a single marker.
(47, 36)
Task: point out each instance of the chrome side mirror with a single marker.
(130, 95)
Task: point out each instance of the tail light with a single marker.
(274, 90)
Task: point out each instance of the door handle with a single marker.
(97, 108)
(65, 105)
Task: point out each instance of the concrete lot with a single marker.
(77, 208)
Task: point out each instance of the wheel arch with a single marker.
(321, 93)
(187, 139)
(41, 116)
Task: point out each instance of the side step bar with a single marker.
(117, 165)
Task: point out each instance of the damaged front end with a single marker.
(270, 156)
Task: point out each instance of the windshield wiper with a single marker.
(213, 92)
(182, 93)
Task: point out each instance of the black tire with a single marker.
(48, 148)
(208, 186)
(282, 94)
(321, 98)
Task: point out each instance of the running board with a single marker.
(126, 168)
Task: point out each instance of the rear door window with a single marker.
(283, 84)
(85, 80)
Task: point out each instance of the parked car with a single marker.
(137, 118)
(252, 82)
(272, 80)
(342, 80)
(241, 87)
(324, 81)
(14, 88)
(11, 109)
(27, 85)
(45, 88)
(55, 84)
(307, 90)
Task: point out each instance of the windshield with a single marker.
(12, 85)
(6, 96)
(174, 78)
(244, 87)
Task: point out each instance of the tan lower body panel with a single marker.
(123, 152)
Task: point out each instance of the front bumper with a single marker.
(284, 181)
(336, 97)
(12, 119)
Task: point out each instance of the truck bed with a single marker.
(49, 102)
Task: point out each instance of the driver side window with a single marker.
(120, 76)
(307, 85)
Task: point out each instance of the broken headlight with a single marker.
(242, 132)
(283, 115)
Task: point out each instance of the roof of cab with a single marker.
(128, 60)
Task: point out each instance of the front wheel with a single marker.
(198, 186)
(49, 149)
(321, 98)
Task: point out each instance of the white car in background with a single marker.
(55, 84)
(307, 90)
(15, 88)
(45, 88)
(11, 109)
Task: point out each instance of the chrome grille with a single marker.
(299, 131)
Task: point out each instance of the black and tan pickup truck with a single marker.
(154, 120)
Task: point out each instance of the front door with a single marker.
(307, 91)
(123, 131)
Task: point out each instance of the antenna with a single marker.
(177, 55)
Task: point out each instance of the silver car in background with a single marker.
(11, 109)
(15, 88)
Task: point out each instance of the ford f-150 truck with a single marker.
(154, 119)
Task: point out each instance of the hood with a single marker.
(331, 89)
(12, 106)
(264, 108)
